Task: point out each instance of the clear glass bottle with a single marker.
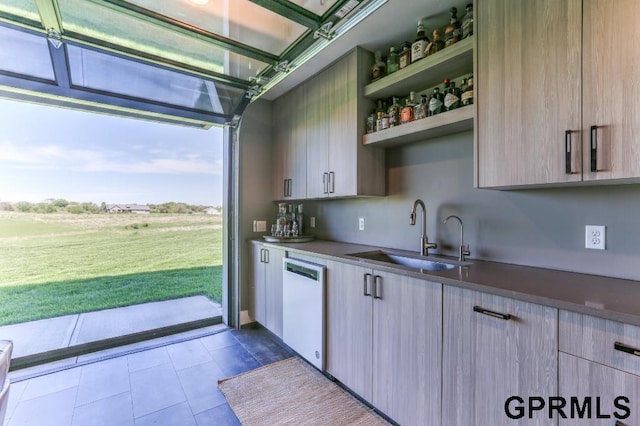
(300, 219)
(392, 61)
(394, 113)
(379, 69)
(406, 115)
(419, 44)
(371, 122)
(404, 58)
(467, 96)
(420, 109)
(467, 22)
(435, 102)
(453, 32)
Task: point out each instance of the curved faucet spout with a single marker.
(463, 250)
(425, 245)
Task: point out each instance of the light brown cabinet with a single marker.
(554, 99)
(266, 284)
(290, 146)
(494, 348)
(384, 334)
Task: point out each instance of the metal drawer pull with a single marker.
(491, 313)
(377, 284)
(332, 182)
(325, 183)
(594, 148)
(624, 348)
(567, 152)
(366, 291)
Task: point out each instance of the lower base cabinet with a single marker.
(266, 284)
(384, 337)
(496, 348)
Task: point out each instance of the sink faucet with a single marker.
(425, 245)
(464, 250)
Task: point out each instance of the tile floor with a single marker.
(169, 384)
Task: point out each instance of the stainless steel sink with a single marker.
(414, 262)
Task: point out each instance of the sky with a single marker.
(49, 152)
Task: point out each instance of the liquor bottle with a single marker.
(379, 121)
(404, 58)
(420, 109)
(419, 44)
(467, 22)
(394, 113)
(406, 115)
(385, 121)
(436, 43)
(467, 96)
(371, 122)
(392, 61)
(379, 69)
(453, 32)
(435, 102)
(452, 97)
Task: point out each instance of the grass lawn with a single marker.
(59, 264)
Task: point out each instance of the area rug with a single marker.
(291, 392)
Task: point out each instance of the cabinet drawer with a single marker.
(604, 341)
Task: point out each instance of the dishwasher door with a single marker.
(303, 296)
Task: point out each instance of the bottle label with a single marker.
(406, 115)
(467, 97)
(417, 50)
(385, 123)
(450, 99)
(404, 59)
(434, 105)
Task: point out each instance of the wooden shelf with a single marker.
(451, 62)
(446, 123)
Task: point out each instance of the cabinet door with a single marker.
(611, 69)
(407, 344)
(600, 384)
(528, 86)
(349, 327)
(297, 145)
(273, 290)
(317, 128)
(280, 147)
(487, 359)
(258, 284)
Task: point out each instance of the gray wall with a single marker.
(537, 227)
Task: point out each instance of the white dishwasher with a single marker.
(303, 296)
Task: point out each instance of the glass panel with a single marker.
(100, 71)
(23, 8)
(25, 53)
(240, 20)
(319, 7)
(103, 23)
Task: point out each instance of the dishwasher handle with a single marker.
(309, 273)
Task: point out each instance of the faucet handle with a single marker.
(464, 251)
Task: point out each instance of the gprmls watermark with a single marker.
(588, 407)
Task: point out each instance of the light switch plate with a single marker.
(595, 237)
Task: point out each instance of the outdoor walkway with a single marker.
(62, 332)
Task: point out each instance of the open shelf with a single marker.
(453, 61)
(446, 123)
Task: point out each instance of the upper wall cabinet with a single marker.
(554, 103)
(453, 61)
(338, 165)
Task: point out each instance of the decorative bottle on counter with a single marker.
(392, 61)
(467, 22)
(453, 32)
(467, 96)
(404, 58)
(300, 219)
(419, 44)
(379, 69)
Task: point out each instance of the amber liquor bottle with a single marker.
(419, 44)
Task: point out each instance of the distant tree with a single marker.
(23, 206)
(60, 202)
(45, 208)
(75, 209)
(103, 206)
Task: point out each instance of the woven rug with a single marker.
(291, 392)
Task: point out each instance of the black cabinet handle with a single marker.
(491, 313)
(594, 148)
(377, 284)
(567, 152)
(290, 194)
(332, 182)
(366, 291)
(624, 348)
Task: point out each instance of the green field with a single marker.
(59, 264)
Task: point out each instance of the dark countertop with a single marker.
(610, 298)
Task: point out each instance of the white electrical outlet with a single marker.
(361, 223)
(595, 237)
(261, 226)
(312, 222)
